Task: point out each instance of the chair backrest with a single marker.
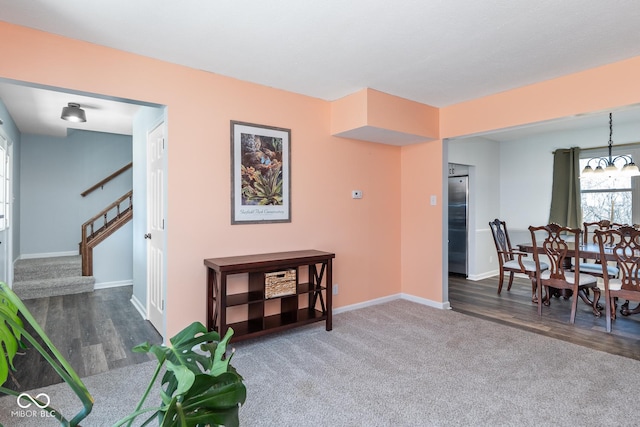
(626, 254)
(589, 229)
(501, 240)
(560, 245)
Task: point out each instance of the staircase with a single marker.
(103, 225)
(46, 277)
(63, 275)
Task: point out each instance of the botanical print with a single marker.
(261, 169)
(260, 174)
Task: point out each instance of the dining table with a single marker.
(585, 250)
(588, 251)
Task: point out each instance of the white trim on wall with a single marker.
(139, 306)
(48, 255)
(114, 284)
(435, 304)
(412, 298)
(484, 275)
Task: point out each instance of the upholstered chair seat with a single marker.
(597, 269)
(528, 265)
(569, 276)
(614, 284)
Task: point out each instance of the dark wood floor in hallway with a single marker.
(94, 331)
(514, 308)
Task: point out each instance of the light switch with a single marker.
(356, 194)
(433, 200)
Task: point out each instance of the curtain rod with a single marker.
(628, 144)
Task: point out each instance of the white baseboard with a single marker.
(441, 305)
(116, 284)
(494, 274)
(365, 304)
(48, 255)
(139, 306)
(486, 275)
(423, 301)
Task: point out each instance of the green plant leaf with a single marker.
(183, 375)
(211, 401)
(9, 336)
(218, 350)
(200, 387)
(9, 302)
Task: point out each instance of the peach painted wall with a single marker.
(391, 112)
(422, 173)
(364, 234)
(349, 112)
(597, 89)
(369, 107)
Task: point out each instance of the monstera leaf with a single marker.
(199, 387)
(13, 332)
(9, 336)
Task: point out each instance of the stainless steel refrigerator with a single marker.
(458, 224)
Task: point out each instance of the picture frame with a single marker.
(260, 174)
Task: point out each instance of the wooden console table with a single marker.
(292, 312)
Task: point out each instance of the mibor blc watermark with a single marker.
(33, 406)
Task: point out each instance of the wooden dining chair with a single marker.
(589, 237)
(511, 261)
(559, 244)
(626, 253)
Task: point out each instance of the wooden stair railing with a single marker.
(107, 179)
(101, 226)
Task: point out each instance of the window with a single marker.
(610, 198)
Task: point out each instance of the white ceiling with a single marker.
(37, 111)
(438, 52)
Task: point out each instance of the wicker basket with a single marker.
(280, 283)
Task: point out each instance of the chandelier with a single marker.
(605, 166)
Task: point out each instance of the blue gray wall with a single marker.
(53, 173)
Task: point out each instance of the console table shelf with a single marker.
(315, 292)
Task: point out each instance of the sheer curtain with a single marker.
(566, 209)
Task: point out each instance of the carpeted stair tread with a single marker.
(30, 289)
(46, 277)
(47, 268)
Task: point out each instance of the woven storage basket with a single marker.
(279, 283)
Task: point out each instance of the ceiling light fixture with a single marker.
(73, 113)
(629, 168)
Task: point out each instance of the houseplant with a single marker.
(199, 385)
(12, 334)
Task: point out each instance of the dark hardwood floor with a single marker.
(514, 308)
(94, 331)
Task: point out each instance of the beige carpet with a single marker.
(403, 364)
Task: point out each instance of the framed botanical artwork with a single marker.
(260, 174)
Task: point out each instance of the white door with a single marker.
(155, 226)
